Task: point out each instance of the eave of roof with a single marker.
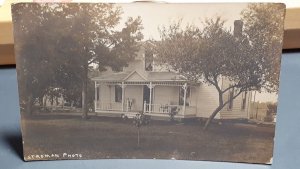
(147, 77)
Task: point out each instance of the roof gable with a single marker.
(135, 76)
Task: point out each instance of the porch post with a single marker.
(123, 88)
(150, 99)
(151, 86)
(184, 87)
(95, 106)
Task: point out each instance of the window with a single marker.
(118, 93)
(244, 98)
(230, 98)
(181, 96)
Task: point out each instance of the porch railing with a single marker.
(110, 106)
(167, 109)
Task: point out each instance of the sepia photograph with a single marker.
(148, 80)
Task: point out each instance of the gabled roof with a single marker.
(138, 76)
(135, 76)
(118, 76)
(164, 76)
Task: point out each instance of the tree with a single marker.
(209, 56)
(267, 42)
(228, 57)
(214, 54)
(96, 41)
(140, 120)
(32, 54)
(77, 37)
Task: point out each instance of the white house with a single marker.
(143, 87)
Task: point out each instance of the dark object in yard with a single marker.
(139, 120)
(271, 112)
(173, 112)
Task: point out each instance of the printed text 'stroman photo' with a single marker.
(148, 81)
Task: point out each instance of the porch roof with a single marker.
(118, 76)
(165, 76)
(141, 77)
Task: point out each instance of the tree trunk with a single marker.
(56, 100)
(84, 93)
(41, 102)
(63, 103)
(212, 116)
(84, 100)
(219, 108)
(45, 102)
(138, 141)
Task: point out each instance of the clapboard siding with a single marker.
(106, 93)
(236, 111)
(193, 100)
(166, 95)
(207, 100)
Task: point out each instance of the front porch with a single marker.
(179, 111)
(157, 110)
(154, 95)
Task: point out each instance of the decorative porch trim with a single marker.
(150, 86)
(154, 83)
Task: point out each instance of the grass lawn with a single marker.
(103, 137)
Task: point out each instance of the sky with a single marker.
(155, 15)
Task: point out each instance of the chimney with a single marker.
(238, 28)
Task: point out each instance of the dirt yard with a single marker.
(70, 137)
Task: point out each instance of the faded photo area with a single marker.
(148, 81)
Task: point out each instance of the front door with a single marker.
(146, 94)
(133, 96)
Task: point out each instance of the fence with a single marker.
(259, 111)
